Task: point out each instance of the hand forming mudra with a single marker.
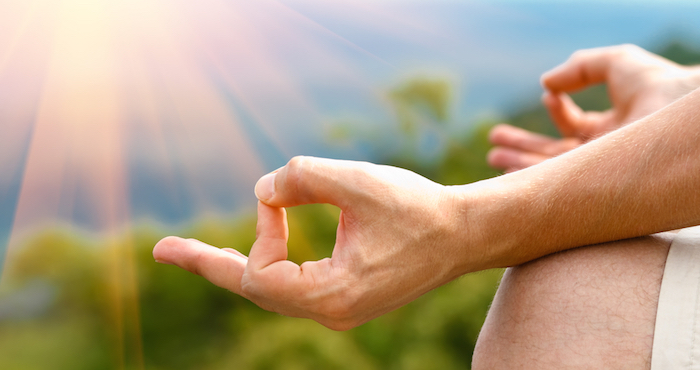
(639, 83)
(392, 243)
(401, 235)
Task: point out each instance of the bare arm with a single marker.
(401, 235)
(641, 179)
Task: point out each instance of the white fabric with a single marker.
(677, 331)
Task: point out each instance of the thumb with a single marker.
(572, 121)
(222, 267)
(306, 180)
(272, 233)
(584, 68)
(564, 112)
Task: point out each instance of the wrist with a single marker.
(490, 224)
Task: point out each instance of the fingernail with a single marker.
(163, 262)
(265, 188)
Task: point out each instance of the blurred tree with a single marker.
(680, 52)
(187, 323)
(419, 100)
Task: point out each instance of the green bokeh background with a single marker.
(109, 306)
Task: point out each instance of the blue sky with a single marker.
(495, 51)
(287, 70)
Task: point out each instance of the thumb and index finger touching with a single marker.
(307, 180)
(303, 180)
(225, 267)
(583, 69)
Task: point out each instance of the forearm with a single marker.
(638, 180)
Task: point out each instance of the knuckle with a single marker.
(296, 163)
(498, 133)
(580, 55)
(629, 48)
(364, 174)
(195, 263)
(247, 287)
(620, 50)
(295, 168)
(624, 51)
(295, 174)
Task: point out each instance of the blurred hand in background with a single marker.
(638, 83)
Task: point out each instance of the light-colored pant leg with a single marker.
(677, 330)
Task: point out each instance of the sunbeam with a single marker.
(116, 111)
(156, 87)
(121, 121)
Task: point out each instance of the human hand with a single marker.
(395, 241)
(639, 83)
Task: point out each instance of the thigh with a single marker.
(587, 308)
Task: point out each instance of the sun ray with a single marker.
(344, 40)
(105, 103)
(12, 38)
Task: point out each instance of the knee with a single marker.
(591, 307)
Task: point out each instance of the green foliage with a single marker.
(420, 99)
(462, 159)
(681, 53)
(110, 306)
(184, 322)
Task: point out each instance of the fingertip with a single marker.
(495, 158)
(272, 222)
(267, 213)
(550, 100)
(161, 251)
(507, 159)
(265, 187)
(544, 80)
(548, 80)
(498, 132)
(504, 159)
(272, 234)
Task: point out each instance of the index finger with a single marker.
(219, 266)
(517, 138)
(270, 280)
(306, 180)
(584, 68)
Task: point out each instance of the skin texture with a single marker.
(608, 189)
(585, 308)
(400, 235)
